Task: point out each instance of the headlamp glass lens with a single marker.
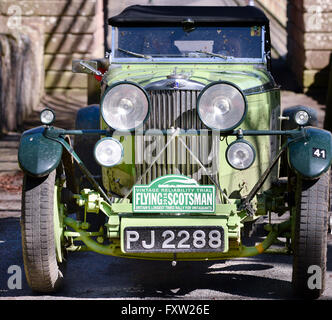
(108, 152)
(301, 118)
(240, 155)
(221, 107)
(47, 116)
(125, 106)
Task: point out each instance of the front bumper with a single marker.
(121, 216)
(234, 246)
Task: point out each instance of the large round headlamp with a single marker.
(125, 106)
(108, 152)
(240, 154)
(221, 106)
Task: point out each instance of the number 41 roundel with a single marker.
(319, 153)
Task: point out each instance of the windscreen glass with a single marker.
(199, 42)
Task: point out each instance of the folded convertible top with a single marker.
(177, 15)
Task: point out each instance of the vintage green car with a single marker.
(185, 152)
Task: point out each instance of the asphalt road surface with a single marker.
(93, 276)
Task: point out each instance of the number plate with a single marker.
(174, 239)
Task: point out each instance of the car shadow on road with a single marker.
(127, 278)
(203, 281)
(266, 276)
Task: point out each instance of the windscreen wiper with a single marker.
(139, 55)
(215, 54)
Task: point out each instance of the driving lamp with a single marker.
(125, 106)
(221, 106)
(240, 154)
(47, 116)
(302, 118)
(108, 152)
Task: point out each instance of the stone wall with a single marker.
(38, 40)
(310, 41)
(71, 29)
(21, 72)
(306, 29)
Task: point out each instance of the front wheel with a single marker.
(310, 237)
(42, 233)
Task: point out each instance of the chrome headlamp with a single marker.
(108, 152)
(221, 106)
(240, 154)
(47, 116)
(301, 118)
(125, 106)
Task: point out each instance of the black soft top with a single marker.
(177, 15)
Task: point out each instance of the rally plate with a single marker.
(174, 239)
(174, 193)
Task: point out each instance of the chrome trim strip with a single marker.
(175, 84)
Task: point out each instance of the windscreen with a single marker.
(198, 42)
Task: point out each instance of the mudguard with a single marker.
(38, 155)
(311, 156)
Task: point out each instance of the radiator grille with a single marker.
(174, 108)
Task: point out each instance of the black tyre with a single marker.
(310, 237)
(42, 237)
